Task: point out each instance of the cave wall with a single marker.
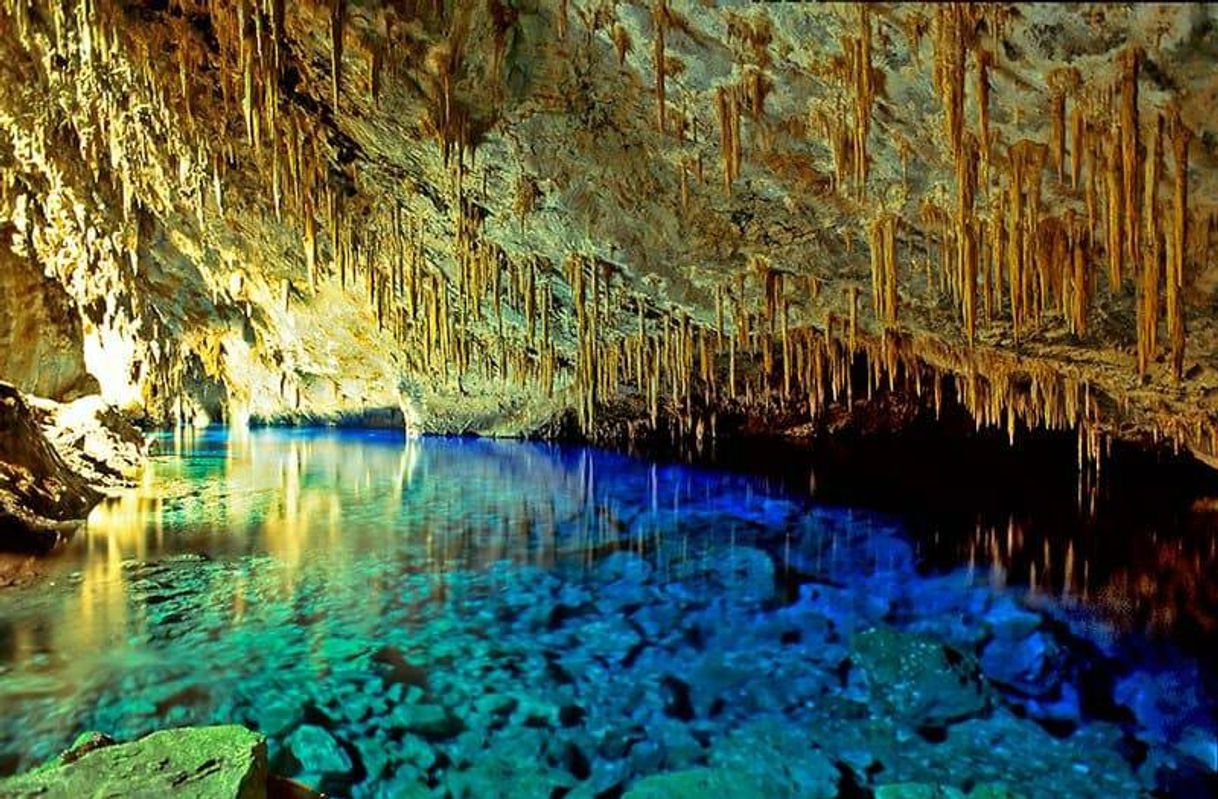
(41, 341)
(487, 214)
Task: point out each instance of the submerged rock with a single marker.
(697, 783)
(432, 722)
(917, 790)
(224, 762)
(779, 757)
(1031, 666)
(918, 679)
(317, 752)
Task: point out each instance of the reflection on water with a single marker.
(1138, 549)
(235, 533)
(261, 578)
(1161, 582)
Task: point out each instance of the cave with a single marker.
(608, 399)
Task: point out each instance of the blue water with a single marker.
(462, 617)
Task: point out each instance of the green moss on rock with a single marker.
(221, 762)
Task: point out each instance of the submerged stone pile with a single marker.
(802, 657)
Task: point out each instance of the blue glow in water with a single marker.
(475, 618)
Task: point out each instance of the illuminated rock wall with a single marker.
(485, 214)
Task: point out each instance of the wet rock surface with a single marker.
(670, 689)
(55, 461)
(227, 762)
(42, 500)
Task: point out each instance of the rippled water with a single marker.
(459, 617)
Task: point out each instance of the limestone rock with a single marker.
(917, 678)
(697, 783)
(227, 762)
(42, 500)
(316, 751)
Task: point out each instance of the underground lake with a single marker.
(466, 617)
(608, 399)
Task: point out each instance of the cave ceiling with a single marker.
(493, 212)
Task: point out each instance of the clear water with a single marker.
(459, 617)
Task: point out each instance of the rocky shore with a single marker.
(56, 460)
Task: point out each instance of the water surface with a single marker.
(462, 617)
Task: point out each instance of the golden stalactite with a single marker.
(1150, 273)
(1062, 84)
(967, 235)
(659, 22)
(832, 122)
(1131, 171)
(950, 32)
(1080, 280)
(338, 24)
(727, 110)
(985, 60)
(1078, 144)
(1115, 218)
(882, 238)
(858, 53)
(621, 43)
(1181, 137)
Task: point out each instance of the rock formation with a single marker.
(53, 460)
(478, 215)
(223, 762)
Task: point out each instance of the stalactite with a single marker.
(884, 268)
(1148, 283)
(1080, 282)
(984, 62)
(1113, 196)
(1181, 137)
(864, 97)
(966, 258)
(727, 109)
(338, 22)
(1078, 144)
(621, 43)
(949, 33)
(1130, 153)
(1061, 83)
(659, 20)
(1057, 135)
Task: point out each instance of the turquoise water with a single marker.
(460, 617)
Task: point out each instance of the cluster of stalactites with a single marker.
(844, 120)
(732, 102)
(1011, 258)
